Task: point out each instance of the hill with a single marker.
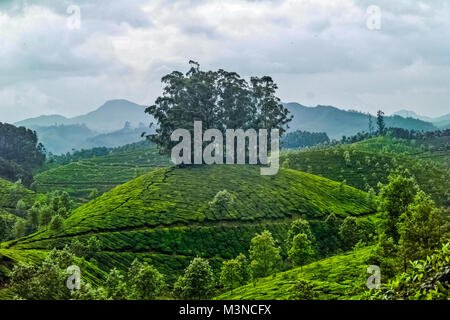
(339, 277)
(103, 173)
(111, 116)
(169, 215)
(364, 164)
(442, 122)
(337, 123)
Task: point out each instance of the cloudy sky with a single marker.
(319, 52)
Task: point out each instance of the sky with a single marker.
(69, 57)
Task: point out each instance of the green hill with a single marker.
(339, 277)
(166, 216)
(11, 193)
(364, 164)
(101, 173)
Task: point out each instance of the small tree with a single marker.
(115, 285)
(197, 282)
(349, 232)
(264, 255)
(19, 228)
(299, 226)
(146, 282)
(235, 272)
(420, 228)
(21, 208)
(56, 223)
(301, 251)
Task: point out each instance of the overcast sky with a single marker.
(319, 52)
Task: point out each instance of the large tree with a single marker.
(220, 99)
(265, 257)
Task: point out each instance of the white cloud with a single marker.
(320, 52)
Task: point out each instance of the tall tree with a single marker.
(301, 251)
(380, 123)
(197, 282)
(265, 257)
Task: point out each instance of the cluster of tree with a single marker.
(20, 153)
(220, 99)
(427, 279)
(412, 226)
(301, 139)
(49, 211)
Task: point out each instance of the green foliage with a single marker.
(301, 139)
(219, 99)
(235, 272)
(349, 232)
(265, 257)
(341, 276)
(197, 282)
(302, 290)
(395, 198)
(429, 279)
(145, 282)
(420, 228)
(56, 223)
(299, 226)
(301, 251)
(44, 282)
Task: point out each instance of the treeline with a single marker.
(20, 153)
(301, 139)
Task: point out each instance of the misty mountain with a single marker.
(337, 123)
(111, 116)
(442, 122)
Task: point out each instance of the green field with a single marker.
(101, 173)
(339, 277)
(11, 193)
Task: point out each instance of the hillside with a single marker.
(166, 216)
(370, 162)
(101, 173)
(337, 123)
(339, 277)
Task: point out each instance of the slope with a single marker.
(167, 217)
(339, 277)
(80, 178)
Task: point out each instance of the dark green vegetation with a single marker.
(301, 139)
(167, 217)
(20, 153)
(220, 100)
(99, 174)
(364, 164)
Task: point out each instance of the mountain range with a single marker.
(119, 122)
(442, 122)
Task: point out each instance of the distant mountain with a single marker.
(337, 123)
(442, 122)
(43, 121)
(111, 116)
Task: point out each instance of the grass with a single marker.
(80, 178)
(339, 277)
